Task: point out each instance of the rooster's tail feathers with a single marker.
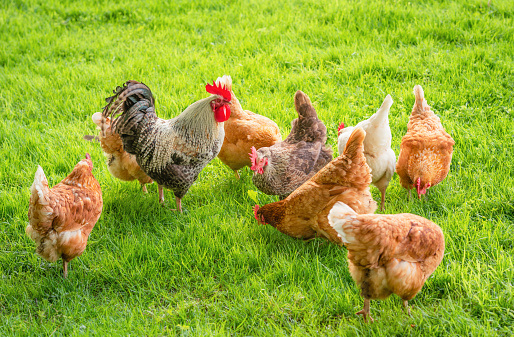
(355, 143)
(125, 97)
(39, 188)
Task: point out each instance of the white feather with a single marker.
(341, 215)
(377, 144)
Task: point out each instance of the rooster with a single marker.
(377, 146)
(171, 152)
(426, 150)
(387, 253)
(282, 168)
(61, 218)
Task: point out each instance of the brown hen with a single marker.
(61, 218)
(243, 130)
(387, 254)
(426, 150)
(303, 214)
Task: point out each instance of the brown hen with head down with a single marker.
(387, 253)
(243, 130)
(426, 150)
(303, 214)
(61, 218)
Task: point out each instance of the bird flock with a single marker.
(320, 196)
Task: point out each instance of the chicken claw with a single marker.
(365, 312)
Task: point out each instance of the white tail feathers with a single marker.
(382, 112)
(337, 218)
(40, 186)
(386, 104)
(225, 81)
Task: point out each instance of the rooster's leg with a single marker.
(406, 306)
(410, 195)
(179, 204)
(161, 195)
(144, 188)
(65, 268)
(237, 174)
(365, 311)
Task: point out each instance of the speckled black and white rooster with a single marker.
(172, 152)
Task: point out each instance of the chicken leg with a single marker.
(161, 195)
(237, 174)
(365, 312)
(65, 268)
(382, 186)
(177, 200)
(406, 306)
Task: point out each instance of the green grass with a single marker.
(213, 270)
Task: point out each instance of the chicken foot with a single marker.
(237, 174)
(365, 312)
(145, 191)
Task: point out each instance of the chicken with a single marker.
(303, 214)
(377, 146)
(61, 218)
(388, 253)
(171, 152)
(282, 168)
(426, 150)
(121, 164)
(243, 130)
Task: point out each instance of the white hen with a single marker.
(377, 146)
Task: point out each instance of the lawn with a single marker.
(213, 270)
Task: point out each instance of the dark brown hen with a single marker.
(283, 167)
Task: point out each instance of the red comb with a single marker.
(253, 158)
(255, 209)
(341, 126)
(88, 156)
(218, 90)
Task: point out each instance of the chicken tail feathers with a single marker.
(126, 108)
(337, 218)
(303, 105)
(420, 105)
(354, 145)
(39, 189)
(386, 105)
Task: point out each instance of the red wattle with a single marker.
(222, 113)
